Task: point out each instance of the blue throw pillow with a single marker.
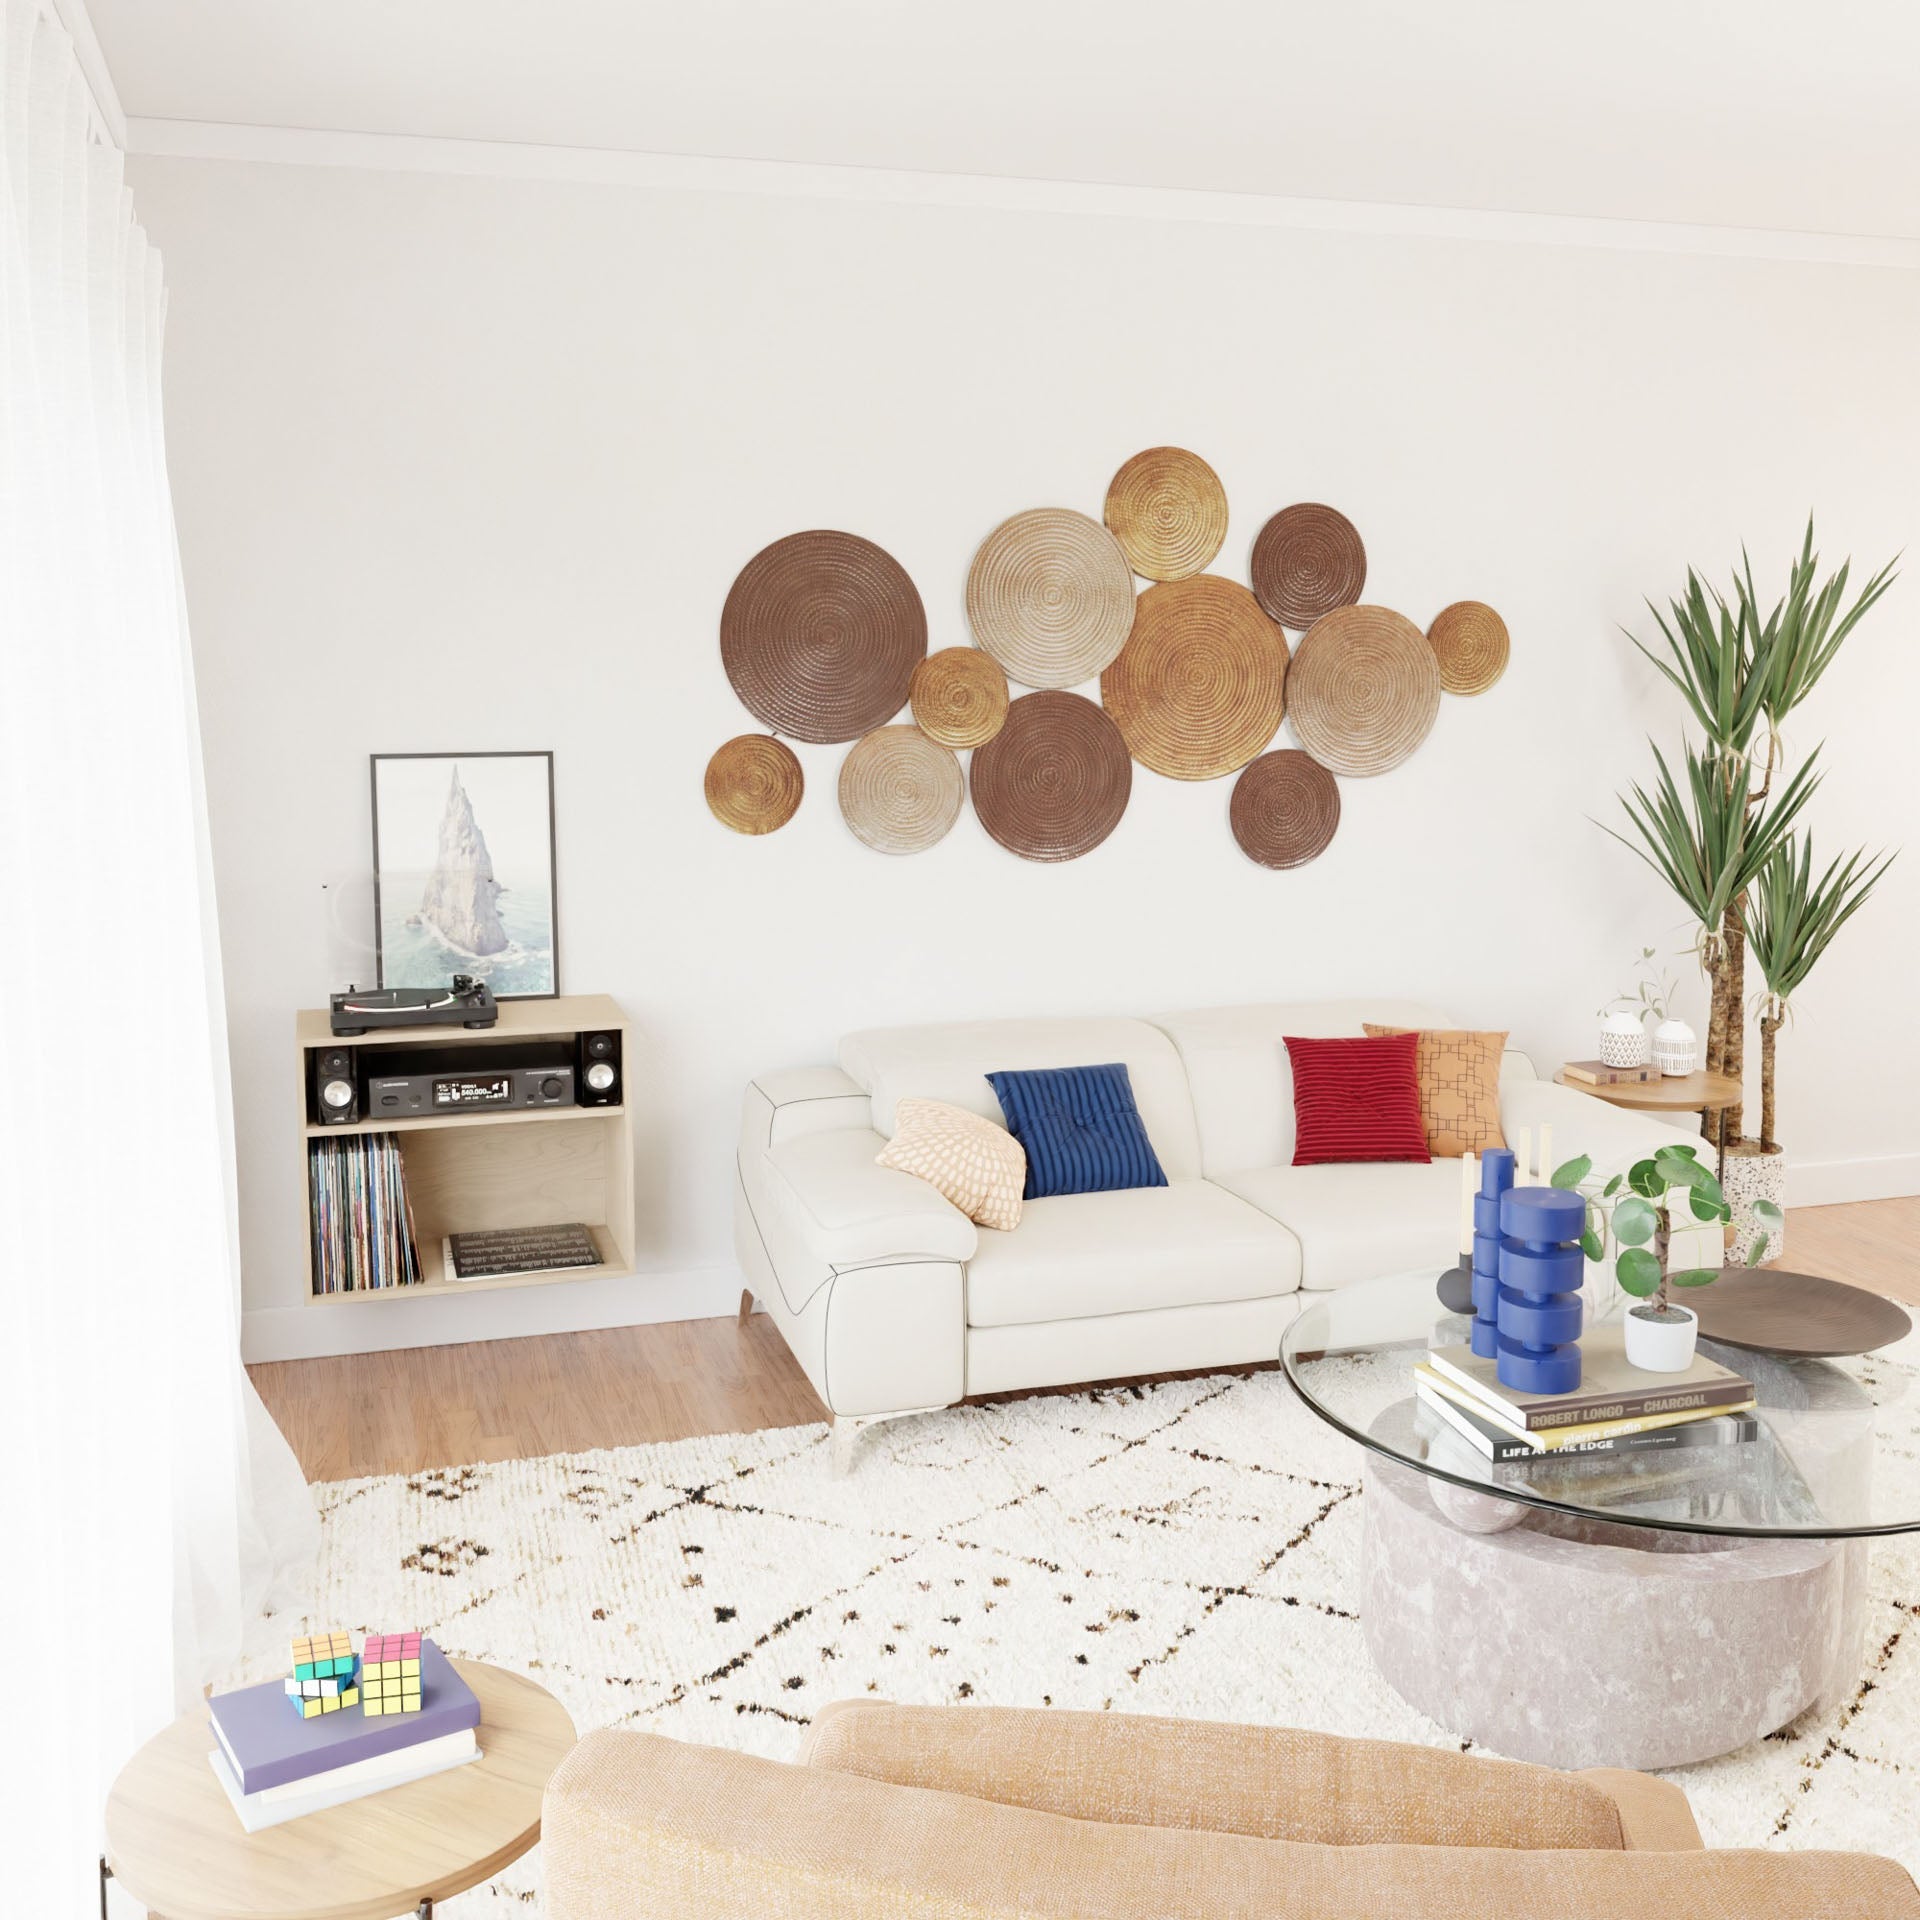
(1080, 1128)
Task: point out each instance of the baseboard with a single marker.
(1832, 1183)
(579, 1306)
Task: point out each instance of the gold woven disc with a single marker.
(1168, 510)
(959, 696)
(754, 783)
(1200, 686)
(899, 791)
(1364, 690)
(1470, 642)
(1050, 596)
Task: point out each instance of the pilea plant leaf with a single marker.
(1571, 1172)
(1705, 1208)
(1634, 1223)
(1612, 1187)
(1694, 1276)
(1638, 1271)
(1646, 1180)
(1592, 1245)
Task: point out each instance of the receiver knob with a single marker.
(550, 1089)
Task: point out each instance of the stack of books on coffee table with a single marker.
(1617, 1408)
(276, 1766)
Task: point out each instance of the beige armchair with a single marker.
(980, 1813)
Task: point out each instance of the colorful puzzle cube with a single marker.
(318, 1689)
(390, 1673)
(323, 1656)
(310, 1709)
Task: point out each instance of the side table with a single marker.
(176, 1844)
(1703, 1093)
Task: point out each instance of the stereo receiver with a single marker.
(413, 1082)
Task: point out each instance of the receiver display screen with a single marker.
(495, 1090)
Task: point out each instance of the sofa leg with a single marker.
(746, 1305)
(847, 1429)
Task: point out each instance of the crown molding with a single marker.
(92, 61)
(688, 173)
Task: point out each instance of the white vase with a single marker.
(1676, 1047)
(1661, 1346)
(1754, 1174)
(1623, 1041)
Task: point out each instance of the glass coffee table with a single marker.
(1641, 1609)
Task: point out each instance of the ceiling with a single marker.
(1795, 114)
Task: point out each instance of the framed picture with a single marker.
(463, 871)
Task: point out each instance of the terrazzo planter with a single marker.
(1664, 1345)
(1754, 1173)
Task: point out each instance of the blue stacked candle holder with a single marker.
(1538, 1310)
(1496, 1179)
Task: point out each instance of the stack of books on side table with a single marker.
(1617, 1408)
(277, 1761)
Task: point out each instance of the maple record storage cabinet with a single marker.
(538, 1167)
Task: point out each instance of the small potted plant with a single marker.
(1660, 1333)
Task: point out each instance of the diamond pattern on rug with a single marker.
(1188, 1549)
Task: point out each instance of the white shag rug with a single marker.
(1187, 1549)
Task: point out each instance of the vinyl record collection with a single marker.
(362, 1225)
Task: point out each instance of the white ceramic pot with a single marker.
(1754, 1175)
(1676, 1047)
(1623, 1041)
(1661, 1346)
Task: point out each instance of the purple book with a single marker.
(267, 1743)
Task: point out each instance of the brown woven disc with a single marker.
(959, 696)
(1054, 781)
(1307, 560)
(1050, 596)
(1364, 689)
(1470, 641)
(820, 635)
(1200, 686)
(1285, 809)
(1168, 510)
(899, 791)
(754, 783)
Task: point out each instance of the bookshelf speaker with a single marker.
(336, 1086)
(597, 1070)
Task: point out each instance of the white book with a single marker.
(275, 1805)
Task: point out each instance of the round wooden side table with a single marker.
(1703, 1093)
(175, 1843)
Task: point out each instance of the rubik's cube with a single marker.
(322, 1680)
(390, 1673)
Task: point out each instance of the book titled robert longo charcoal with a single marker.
(1611, 1387)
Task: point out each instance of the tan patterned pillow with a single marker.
(1459, 1075)
(981, 1168)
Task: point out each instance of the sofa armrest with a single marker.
(1274, 1783)
(847, 1211)
(1655, 1816)
(635, 1827)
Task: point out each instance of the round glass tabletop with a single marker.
(1833, 1449)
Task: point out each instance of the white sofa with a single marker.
(894, 1302)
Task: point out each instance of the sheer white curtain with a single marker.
(147, 1499)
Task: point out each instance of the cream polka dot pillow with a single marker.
(981, 1168)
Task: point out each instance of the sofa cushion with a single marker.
(1080, 1255)
(1241, 1084)
(951, 1063)
(1357, 1222)
(1080, 1128)
(1459, 1075)
(968, 1161)
(1356, 1099)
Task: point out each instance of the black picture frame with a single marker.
(375, 761)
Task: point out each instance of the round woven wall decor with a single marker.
(1286, 808)
(1470, 642)
(1364, 689)
(1054, 781)
(820, 635)
(1307, 560)
(899, 791)
(754, 783)
(959, 696)
(1200, 686)
(1168, 510)
(1050, 596)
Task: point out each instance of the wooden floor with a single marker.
(564, 1392)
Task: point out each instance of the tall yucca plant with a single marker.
(1742, 668)
(1792, 918)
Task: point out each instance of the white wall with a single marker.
(467, 463)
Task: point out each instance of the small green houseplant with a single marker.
(1660, 1333)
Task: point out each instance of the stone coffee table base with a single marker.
(1582, 1643)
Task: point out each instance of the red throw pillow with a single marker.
(1357, 1100)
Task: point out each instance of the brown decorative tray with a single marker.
(1804, 1316)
